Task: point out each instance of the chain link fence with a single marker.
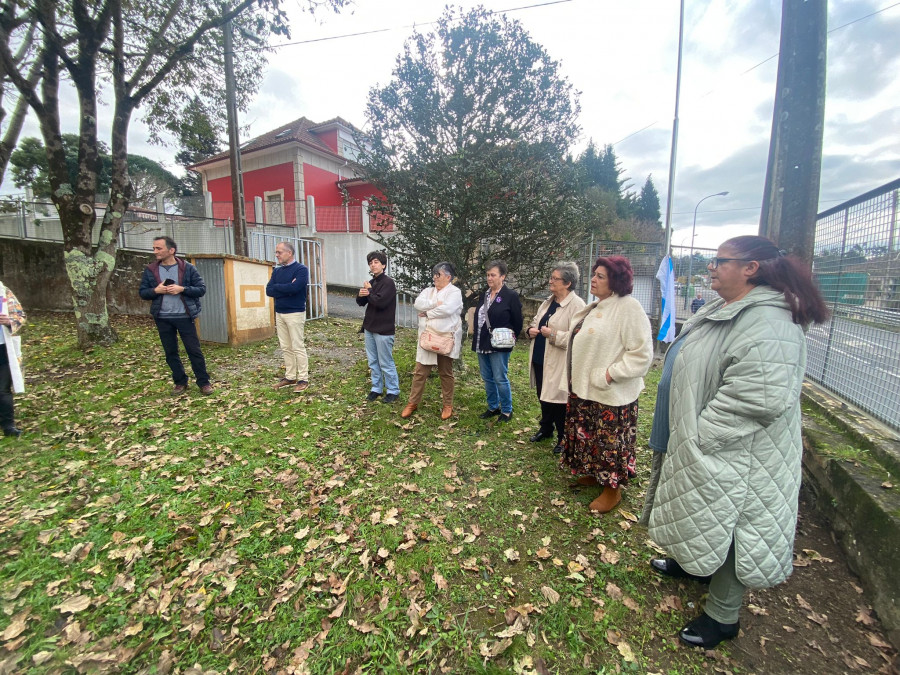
(856, 354)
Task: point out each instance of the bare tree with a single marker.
(155, 55)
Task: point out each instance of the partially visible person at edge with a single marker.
(697, 302)
(728, 420)
(549, 333)
(439, 307)
(175, 287)
(498, 307)
(610, 351)
(379, 297)
(12, 318)
(287, 286)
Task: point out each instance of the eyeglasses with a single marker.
(553, 278)
(714, 262)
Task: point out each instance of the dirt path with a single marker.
(818, 622)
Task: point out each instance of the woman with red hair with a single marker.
(610, 351)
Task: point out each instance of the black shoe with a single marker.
(488, 414)
(706, 632)
(669, 567)
(12, 431)
(504, 418)
(390, 398)
(558, 450)
(373, 395)
(540, 436)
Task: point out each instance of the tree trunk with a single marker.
(89, 277)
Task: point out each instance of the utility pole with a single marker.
(234, 145)
(791, 196)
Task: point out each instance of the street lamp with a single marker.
(687, 286)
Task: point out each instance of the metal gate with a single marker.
(309, 252)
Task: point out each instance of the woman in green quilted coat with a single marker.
(726, 505)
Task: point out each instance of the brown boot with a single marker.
(447, 412)
(608, 500)
(408, 410)
(589, 481)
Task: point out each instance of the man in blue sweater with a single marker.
(288, 287)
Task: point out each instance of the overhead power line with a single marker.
(765, 61)
(393, 28)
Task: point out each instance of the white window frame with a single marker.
(270, 220)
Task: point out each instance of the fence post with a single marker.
(365, 217)
(207, 204)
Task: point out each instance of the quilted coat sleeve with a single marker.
(758, 383)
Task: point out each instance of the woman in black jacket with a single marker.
(498, 307)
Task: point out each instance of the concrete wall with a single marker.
(35, 272)
(345, 257)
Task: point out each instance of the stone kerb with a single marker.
(852, 466)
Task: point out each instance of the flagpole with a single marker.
(671, 190)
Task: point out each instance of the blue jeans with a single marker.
(380, 352)
(494, 368)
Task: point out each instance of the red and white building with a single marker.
(287, 166)
(304, 175)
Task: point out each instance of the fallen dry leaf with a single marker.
(17, 626)
(550, 595)
(865, 617)
(625, 650)
(613, 591)
(803, 603)
(490, 651)
(76, 603)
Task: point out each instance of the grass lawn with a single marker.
(264, 531)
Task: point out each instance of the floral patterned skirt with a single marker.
(599, 440)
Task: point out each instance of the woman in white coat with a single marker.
(12, 318)
(549, 333)
(440, 308)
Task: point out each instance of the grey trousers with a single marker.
(726, 593)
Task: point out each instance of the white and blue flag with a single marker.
(666, 276)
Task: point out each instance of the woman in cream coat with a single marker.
(610, 351)
(439, 308)
(549, 333)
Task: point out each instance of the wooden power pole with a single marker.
(791, 197)
(234, 144)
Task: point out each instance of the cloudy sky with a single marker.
(621, 56)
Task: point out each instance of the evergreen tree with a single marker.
(468, 141)
(648, 202)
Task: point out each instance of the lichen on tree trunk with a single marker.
(89, 277)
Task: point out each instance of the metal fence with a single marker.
(689, 264)
(38, 221)
(262, 245)
(856, 354)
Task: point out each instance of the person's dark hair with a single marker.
(619, 273)
(170, 243)
(444, 267)
(499, 264)
(569, 273)
(376, 255)
(787, 274)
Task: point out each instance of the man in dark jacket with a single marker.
(288, 287)
(379, 297)
(175, 288)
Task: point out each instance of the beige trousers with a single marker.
(289, 328)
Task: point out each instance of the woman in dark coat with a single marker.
(498, 307)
